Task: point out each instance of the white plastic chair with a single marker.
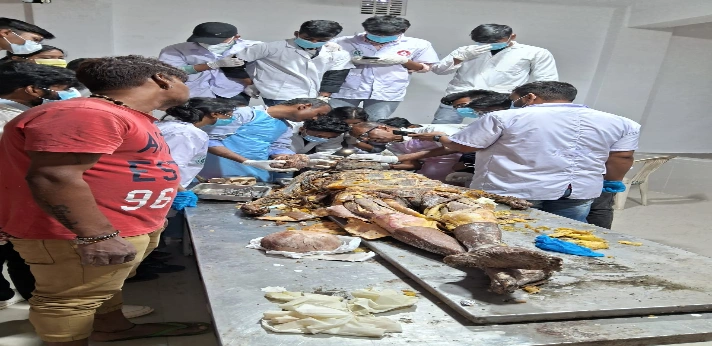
(641, 179)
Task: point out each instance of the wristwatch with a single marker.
(437, 138)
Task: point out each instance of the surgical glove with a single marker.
(322, 156)
(384, 60)
(324, 98)
(252, 91)
(466, 53)
(265, 165)
(373, 157)
(613, 186)
(459, 177)
(184, 199)
(545, 242)
(226, 62)
(319, 163)
(331, 47)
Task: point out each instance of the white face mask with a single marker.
(219, 48)
(27, 48)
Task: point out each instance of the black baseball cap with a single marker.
(212, 33)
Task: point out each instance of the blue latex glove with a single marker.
(184, 199)
(545, 242)
(613, 186)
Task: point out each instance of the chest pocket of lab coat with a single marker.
(510, 71)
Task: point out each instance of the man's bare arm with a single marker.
(618, 164)
(57, 185)
(227, 153)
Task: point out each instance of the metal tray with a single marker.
(227, 192)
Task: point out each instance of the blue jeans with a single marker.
(270, 102)
(376, 109)
(447, 115)
(576, 209)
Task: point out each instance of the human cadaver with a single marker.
(451, 221)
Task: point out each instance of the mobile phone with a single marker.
(402, 133)
(370, 57)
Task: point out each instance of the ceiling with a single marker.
(601, 3)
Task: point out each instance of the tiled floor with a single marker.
(683, 222)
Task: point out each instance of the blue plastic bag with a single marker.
(545, 242)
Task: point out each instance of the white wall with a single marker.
(678, 119)
(89, 28)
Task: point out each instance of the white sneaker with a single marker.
(133, 311)
(15, 299)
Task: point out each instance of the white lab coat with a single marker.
(207, 83)
(300, 147)
(189, 147)
(284, 71)
(502, 72)
(9, 110)
(382, 82)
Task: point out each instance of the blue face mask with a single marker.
(512, 106)
(315, 139)
(224, 122)
(308, 44)
(69, 94)
(382, 39)
(467, 112)
(63, 95)
(27, 48)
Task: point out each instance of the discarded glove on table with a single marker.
(550, 244)
(316, 313)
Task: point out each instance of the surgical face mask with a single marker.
(224, 122)
(63, 95)
(315, 139)
(219, 48)
(27, 48)
(308, 44)
(382, 39)
(497, 45)
(467, 112)
(512, 106)
(51, 62)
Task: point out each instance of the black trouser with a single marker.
(601, 213)
(19, 273)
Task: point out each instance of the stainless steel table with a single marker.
(233, 276)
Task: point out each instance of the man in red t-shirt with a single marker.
(86, 185)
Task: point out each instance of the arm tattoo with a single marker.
(60, 213)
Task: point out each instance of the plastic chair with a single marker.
(641, 179)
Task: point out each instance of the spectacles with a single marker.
(365, 134)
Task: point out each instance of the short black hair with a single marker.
(18, 74)
(490, 33)
(74, 64)
(123, 72)
(348, 113)
(396, 122)
(473, 94)
(199, 107)
(45, 48)
(18, 25)
(490, 99)
(386, 25)
(548, 90)
(316, 103)
(320, 28)
(327, 124)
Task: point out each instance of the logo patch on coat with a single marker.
(358, 53)
(404, 53)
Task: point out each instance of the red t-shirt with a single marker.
(133, 183)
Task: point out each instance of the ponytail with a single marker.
(199, 107)
(184, 113)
